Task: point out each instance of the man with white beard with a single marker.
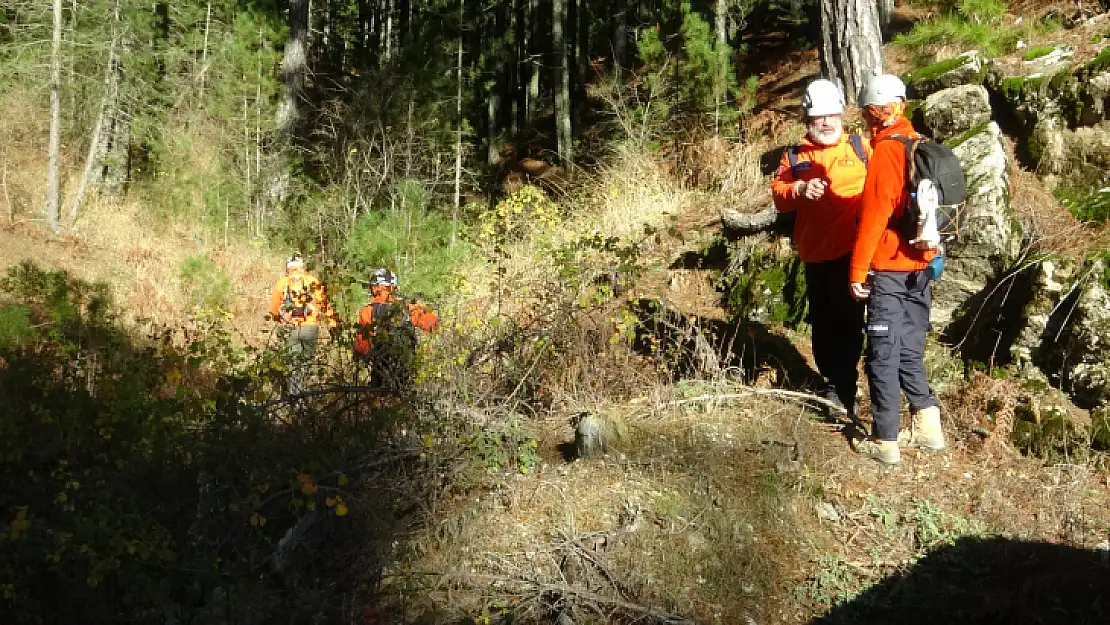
(821, 180)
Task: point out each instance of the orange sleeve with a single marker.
(882, 191)
(276, 296)
(362, 341)
(423, 317)
(782, 186)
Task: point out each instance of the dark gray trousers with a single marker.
(897, 321)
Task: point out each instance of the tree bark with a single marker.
(562, 95)
(851, 43)
(719, 84)
(620, 37)
(458, 129)
(53, 190)
(532, 100)
(97, 146)
(886, 12)
(294, 66)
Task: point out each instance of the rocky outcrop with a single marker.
(989, 236)
(968, 68)
(1086, 363)
(1050, 282)
(949, 113)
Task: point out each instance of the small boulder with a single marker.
(596, 434)
(951, 112)
(968, 68)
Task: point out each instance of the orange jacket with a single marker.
(300, 313)
(878, 244)
(825, 229)
(421, 316)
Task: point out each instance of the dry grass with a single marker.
(1049, 226)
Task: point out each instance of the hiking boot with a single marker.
(836, 411)
(885, 452)
(926, 432)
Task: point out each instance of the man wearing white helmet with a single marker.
(299, 302)
(820, 180)
(899, 293)
(386, 337)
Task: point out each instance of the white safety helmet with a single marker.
(384, 277)
(880, 89)
(294, 261)
(823, 97)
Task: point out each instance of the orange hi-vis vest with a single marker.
(300, 299)
(825, 228)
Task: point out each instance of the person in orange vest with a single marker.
(298, 303)
(820, 180)
(899, 292)
(386, 337)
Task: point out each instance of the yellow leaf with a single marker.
(341, 509)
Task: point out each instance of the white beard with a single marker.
(826, 138)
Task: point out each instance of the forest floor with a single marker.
(719, 505)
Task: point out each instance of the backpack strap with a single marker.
(792, 158)
(911, 169)
(857, 145)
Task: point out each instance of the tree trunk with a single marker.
(53, 190)
(620, 37)
(720, 82)
(886, 12)
(562, 94)
(458, 130)
(93, 172)
(294, 66)
(533, 97)
(851, 44)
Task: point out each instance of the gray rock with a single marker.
(827, 512)
(1050, 282)
(989, 235)
(1087, 366)
(951, 112)
(968, 68)
(1052, 62)
(595, 434)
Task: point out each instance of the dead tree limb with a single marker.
(736, 223)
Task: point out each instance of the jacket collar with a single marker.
(901, 127)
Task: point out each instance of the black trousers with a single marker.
(897, 322)
(837, 322)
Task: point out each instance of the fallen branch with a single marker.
(749, 223)
(805, 399)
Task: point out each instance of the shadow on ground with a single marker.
(989, 581)
(691, 346)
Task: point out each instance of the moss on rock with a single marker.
(766, 285)
(963, 138)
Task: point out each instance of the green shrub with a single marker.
(1088, 205)
(204, 283)
(416, 245)
(144, 480)
(15, 326)
(973, 23)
